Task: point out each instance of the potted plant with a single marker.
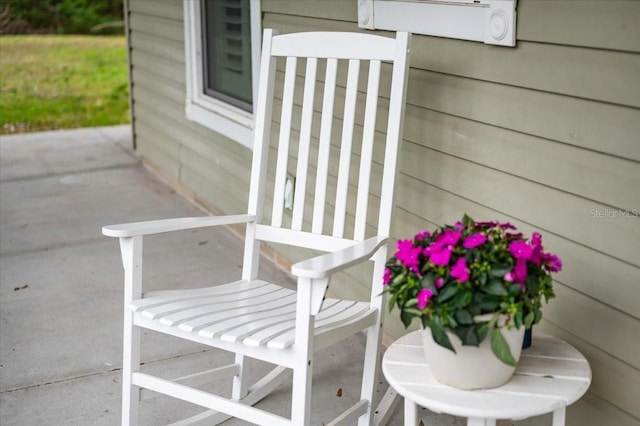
(475, 287)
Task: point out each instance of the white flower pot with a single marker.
(471, 367)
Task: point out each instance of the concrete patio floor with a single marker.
(61, 286)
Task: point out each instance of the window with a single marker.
(222, 49)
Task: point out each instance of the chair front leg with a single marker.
(131, 250)
(130, 364)
(303, 370)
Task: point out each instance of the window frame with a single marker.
(222, 117)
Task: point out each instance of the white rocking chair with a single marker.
(262, 320)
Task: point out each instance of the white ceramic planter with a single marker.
(471, 367)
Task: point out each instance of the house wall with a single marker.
(545, 135)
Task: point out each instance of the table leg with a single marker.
(477, 421)
(559, 416)
(410, 413)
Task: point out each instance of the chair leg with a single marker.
(301, 397)
(240, 385)
(303, 366)
(370, 372)
(130, 364)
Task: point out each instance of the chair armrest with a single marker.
(169, 225)
(327, 264)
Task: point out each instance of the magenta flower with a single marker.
(449, 237)
(536, 245)
(423, 297)
(475, 240)
(520, 271)
(460, 271)
(520, 250)
(494, 224)
(408, 255)
(440, 255)
(439, 282)
(420, 236)
(386, 279)
(551, 262)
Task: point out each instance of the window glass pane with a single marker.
(226, 32)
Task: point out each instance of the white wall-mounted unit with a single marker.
(488, 21)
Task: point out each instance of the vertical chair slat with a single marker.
(283, 142)
(366, 154)
(305, 141)
(394, 129)
(342, 188)
(325, 145)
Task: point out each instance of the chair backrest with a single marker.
(341, 146)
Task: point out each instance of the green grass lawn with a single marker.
(60, 82)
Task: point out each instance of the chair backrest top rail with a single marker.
(338, 45)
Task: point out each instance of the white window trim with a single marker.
(488, 21)
(221, 117)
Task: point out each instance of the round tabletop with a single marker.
(551, 374)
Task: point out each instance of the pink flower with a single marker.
(536, 244)
(460, 271)
(508, 277)
(386, 279)
(475, 240)
(520, 271)
(439, 282)
(420, 236)
(439, 255)
(408, 255)
(423, 297)
(458, 225)
(520, 250)
(551, 262)
(449, 237)
(494, 224)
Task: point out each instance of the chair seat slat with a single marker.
(220, 313)
(348, 312)
(174, 307)
(256, 318)
(190, 315)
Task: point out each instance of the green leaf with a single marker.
(467, 221)
(411, 302)
(499, 271)
(464, 317)
(488, 303)
(406, 318)
(428, 282)
(482, 329)
(501, 348)
(399, 278)
(483, 279)
(463, 298)
(448, 292)
(392, 301)
(515, 289)
(439, 335)
(467, 334)
(495, 287)
(528, 320)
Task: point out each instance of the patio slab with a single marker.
(61, 285)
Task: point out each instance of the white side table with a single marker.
(551, 375)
